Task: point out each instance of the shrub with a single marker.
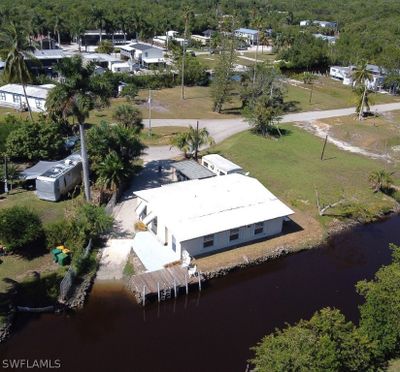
(21, 229)
(39, 140)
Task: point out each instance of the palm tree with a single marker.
(362, 100)
(381, 180)
(180, 141)
(258, 24)
(14, 48)
(187, 12)
(112, 172)
(129, 117)
(58, 26)
(361, 75)
(75, 97)
(191, 141)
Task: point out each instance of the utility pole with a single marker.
(196, 149)
(186, 15)
(149, 101)
(5, 175)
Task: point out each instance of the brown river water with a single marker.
(212, 330)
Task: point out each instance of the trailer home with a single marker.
(60, 179)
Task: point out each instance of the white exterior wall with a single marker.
(221, 239)
(36, 104)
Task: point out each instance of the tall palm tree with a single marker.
(187, 12)
(361, 76)
(14, 49)
(58, 26)
(75, 97)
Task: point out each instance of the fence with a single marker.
(69, 277)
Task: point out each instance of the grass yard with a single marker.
(328, 94)
(48, 211)
(167, 104)
(291, 168)
(377, 134)
(160, 135)
(16, 268)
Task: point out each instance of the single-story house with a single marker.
(346, 75)
(93, 37)
(322, 24)
(101, 59)
(204, 40)
(45, 60)
(249, 35)
(143, 54)
(342, 73)
(189, 170)
(220, 165)
(325, 24)
(305, 23)
(202, 216)
(12, 95)
(329, 39)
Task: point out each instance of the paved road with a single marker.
(221, 129)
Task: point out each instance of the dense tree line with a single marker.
(367, 29)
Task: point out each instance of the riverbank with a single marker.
(253, 302)
(221, 264)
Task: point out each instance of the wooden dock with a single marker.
(163, 284)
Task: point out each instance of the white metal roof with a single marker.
(197, 208)
(221, 163)
(34, 91)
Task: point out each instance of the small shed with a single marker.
(190, 170)
(219, 165)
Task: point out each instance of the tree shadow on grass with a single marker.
(35, 291)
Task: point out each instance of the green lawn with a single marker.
(48, 211)
(328, 94)
(291, 168)
(160, 135)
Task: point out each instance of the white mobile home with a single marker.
(249, 35)
(143, 54)
(205, 215)
(12, 95)
(219, 165)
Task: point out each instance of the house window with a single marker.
(208, 241)
(2, 96)
(16, 98)
(258, 228)
(144, 213)
(205, 164)
(154, 226)
(234, 235)
(38, 103)
(146, 54)
(173, 243)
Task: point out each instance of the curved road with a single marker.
(221, 129)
